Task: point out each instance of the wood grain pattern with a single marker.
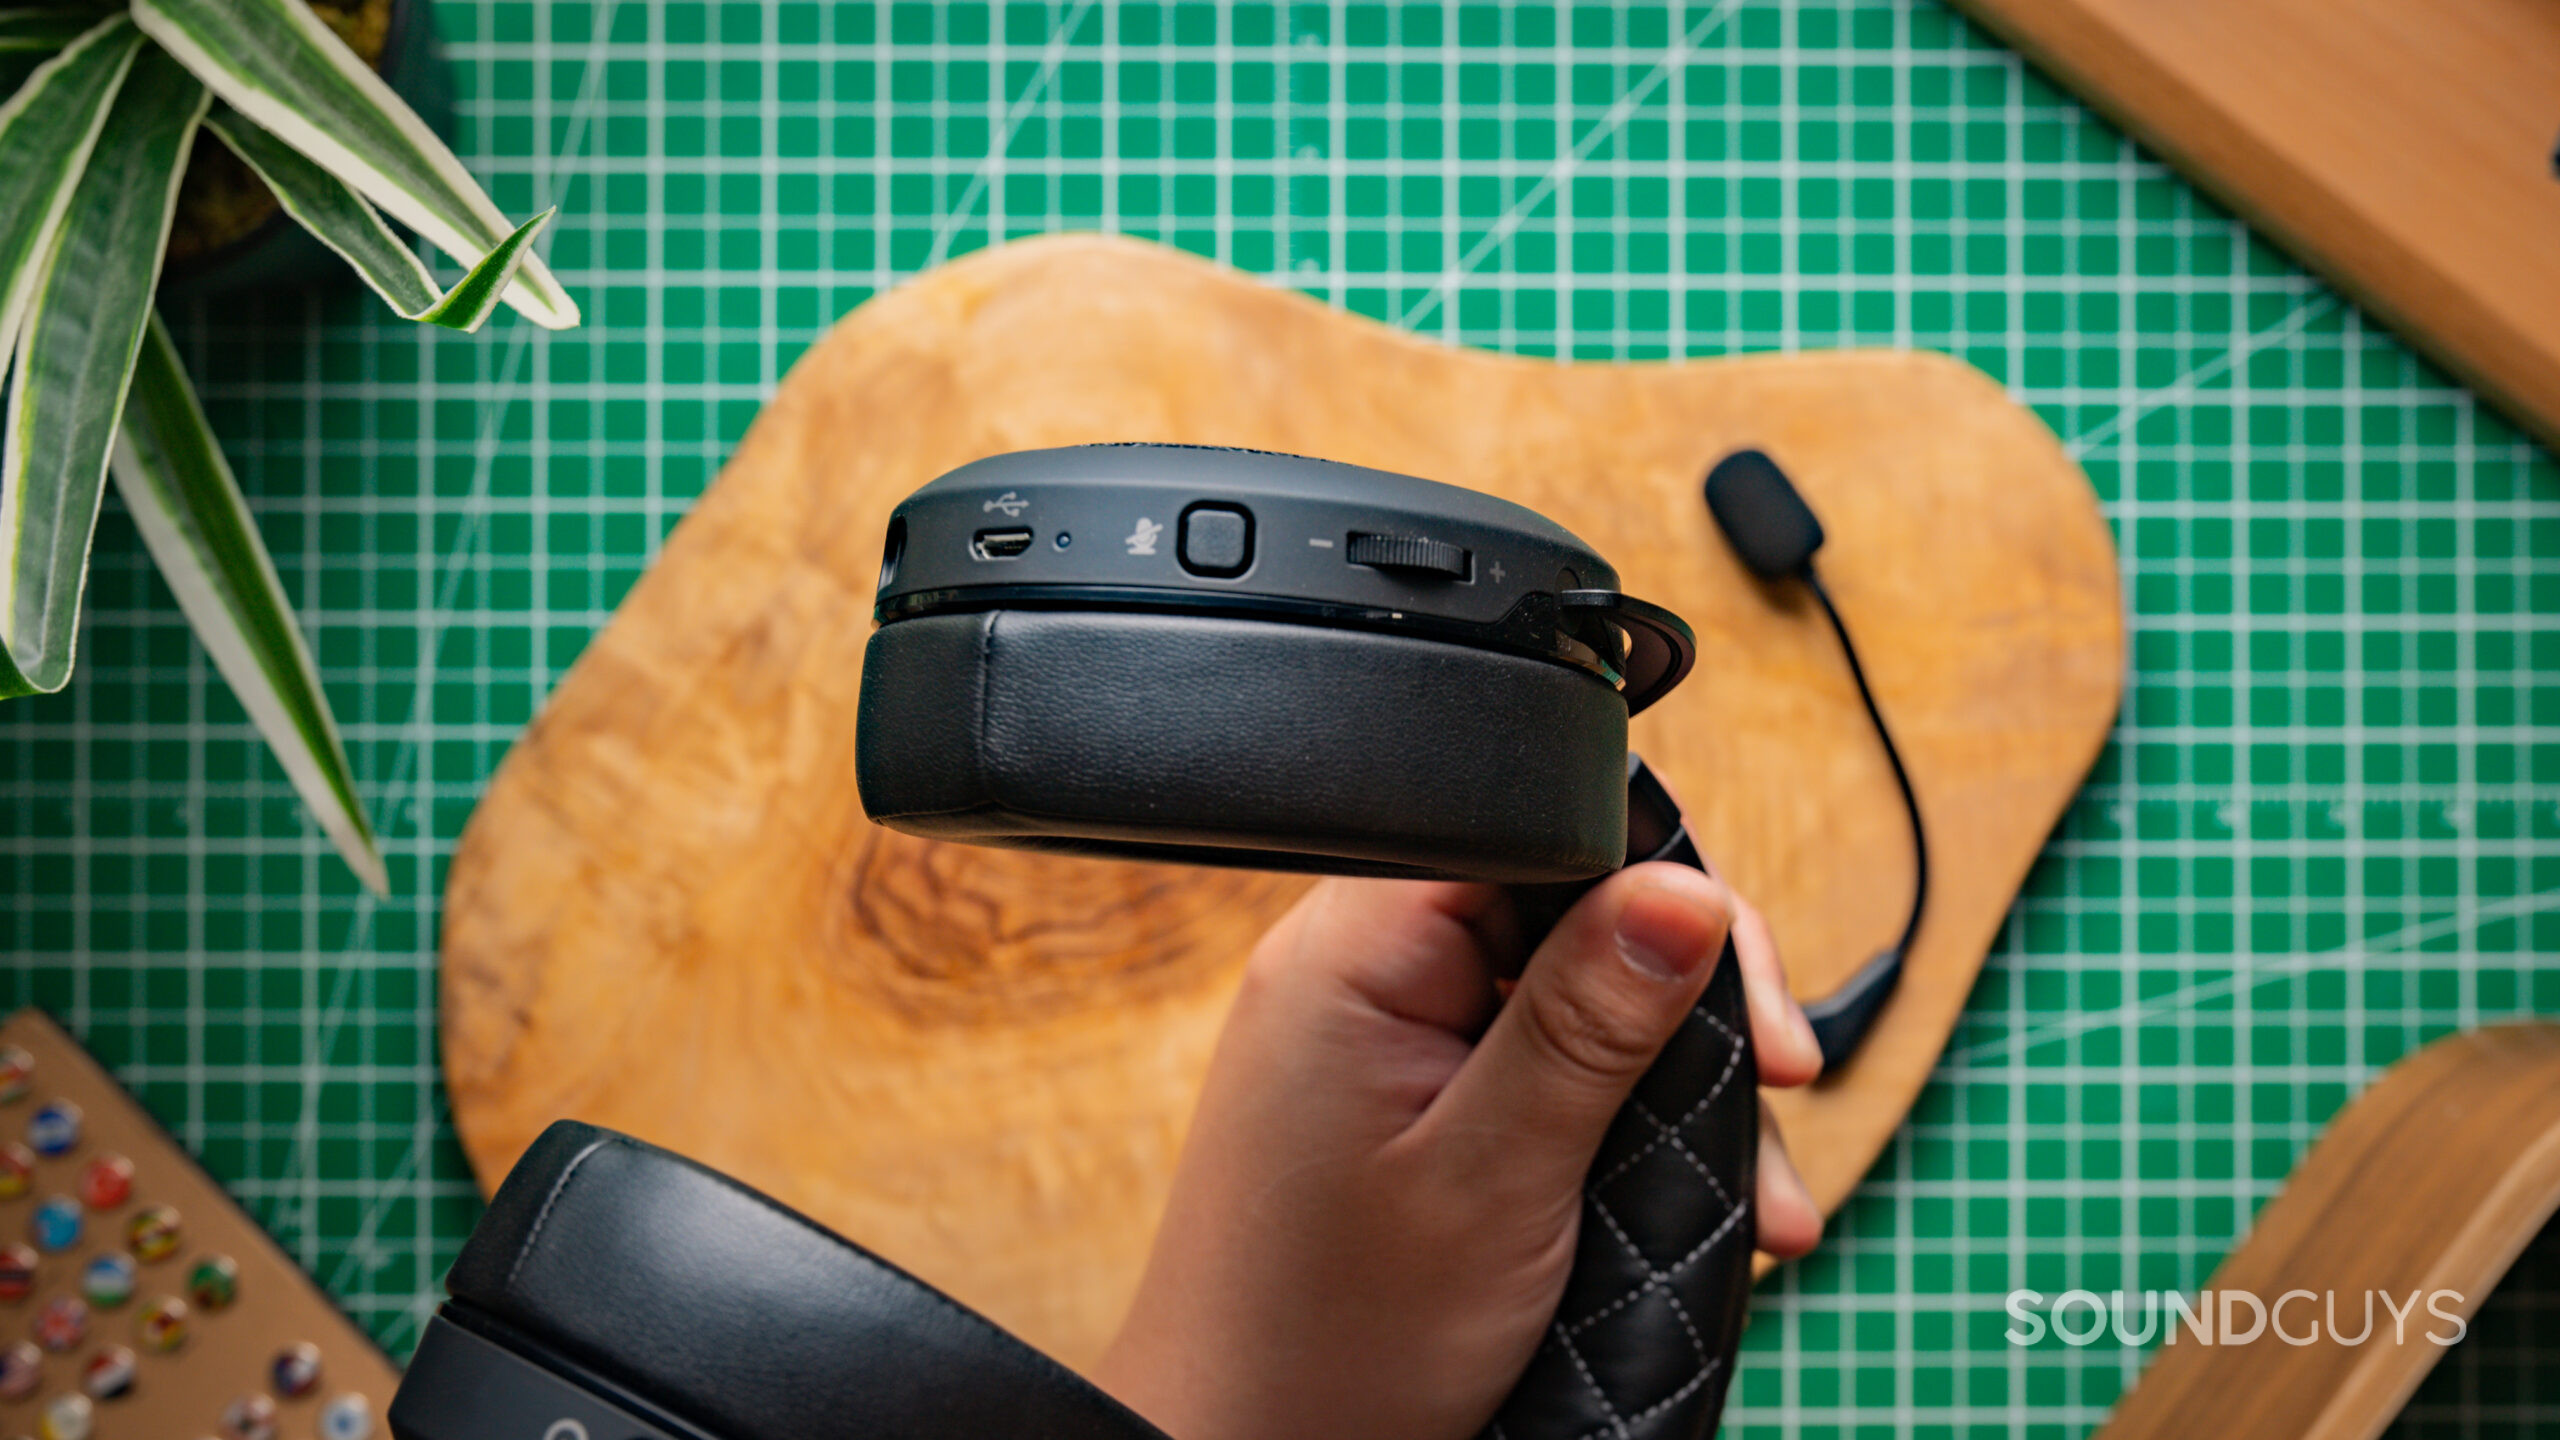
(669, 915)
(2404, 151)
(2434, 1179)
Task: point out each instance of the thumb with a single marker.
(1601, 997)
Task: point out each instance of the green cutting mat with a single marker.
(2323, 834)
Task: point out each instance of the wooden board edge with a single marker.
(2484, 1248)
(2113, 72)
(2380, 1131)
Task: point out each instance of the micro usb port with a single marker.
(1004, 544)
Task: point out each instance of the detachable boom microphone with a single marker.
(1776, 534)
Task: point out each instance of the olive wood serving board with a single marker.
(2434, 1179)
(670, 916)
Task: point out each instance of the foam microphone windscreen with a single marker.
(1757, 507)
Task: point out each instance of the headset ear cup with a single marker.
(1242, 742)
(664, 1299)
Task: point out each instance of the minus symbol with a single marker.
(1320, 544)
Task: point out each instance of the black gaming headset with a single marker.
(1179, 653)
(1164, 652)
(1238, 658)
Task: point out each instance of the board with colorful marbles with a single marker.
(137, 1301)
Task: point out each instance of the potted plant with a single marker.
(102, 110)
(230, 234)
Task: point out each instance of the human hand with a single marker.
(1373, 1220)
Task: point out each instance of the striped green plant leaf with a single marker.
(170, 471)
(347, 223)
(75, 358)
(476, 296)
(276, 63)
(47, 127)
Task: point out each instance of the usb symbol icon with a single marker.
(1008, 502)
(1142, 541)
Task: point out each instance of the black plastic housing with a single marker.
(1304, 513)
(1107, 526)
(1342, 670)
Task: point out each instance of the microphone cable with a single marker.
(1776, 534)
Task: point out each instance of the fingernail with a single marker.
(1654, 937)
(1806, 1041)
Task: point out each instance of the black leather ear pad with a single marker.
(743, 1319)
(1215, 740)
